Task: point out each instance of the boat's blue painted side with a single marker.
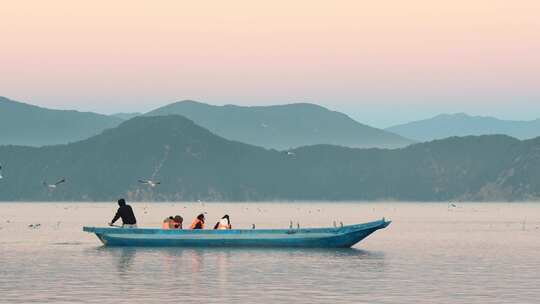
(345, 236)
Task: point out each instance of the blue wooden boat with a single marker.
(336, 237)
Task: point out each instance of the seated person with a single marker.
(177, 222)
(198, 223)
(124, 212)
(168, 223)
(224, 223)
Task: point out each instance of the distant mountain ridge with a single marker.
(283, 126)
(193, 163)
(29, 125)
(461, 124)
(278, 127)
(126, 116)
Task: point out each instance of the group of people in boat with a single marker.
(176, 222)
(125, 212)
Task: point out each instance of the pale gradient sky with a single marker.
(382, 62)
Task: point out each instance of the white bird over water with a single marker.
(53, 186)
(1, 172)
(149, 182)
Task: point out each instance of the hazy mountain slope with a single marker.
(447, 125)
(126, 116)
(283, 126)
(192, 163)
(24, 124)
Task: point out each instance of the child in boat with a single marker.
(177, 222)
(198, 223)
(224, 223)
(168, 223)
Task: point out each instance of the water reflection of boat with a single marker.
(345, 236)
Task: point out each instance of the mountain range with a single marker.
(28, 125)
(283, 126)
(126, 116)
(277, 127)
(193, 163)
(461, 124)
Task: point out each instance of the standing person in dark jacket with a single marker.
(126, 214)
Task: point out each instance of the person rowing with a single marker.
(125, 212)
(224, 223)
(198, 223)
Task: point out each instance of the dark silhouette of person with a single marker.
(125, 212)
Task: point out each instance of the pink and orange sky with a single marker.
(382, 62)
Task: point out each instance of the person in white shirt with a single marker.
(224, 223)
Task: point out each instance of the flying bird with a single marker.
(149, 182)
(53, 186)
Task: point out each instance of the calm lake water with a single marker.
(473, 253)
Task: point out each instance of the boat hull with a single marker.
(340, 237)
